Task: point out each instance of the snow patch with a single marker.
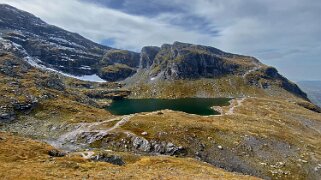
(157, 76)
(91, 78)
(85, 67)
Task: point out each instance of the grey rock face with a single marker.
(118, 65)
(128, 58)
(187, 61)
(147, 56)
(116, 72)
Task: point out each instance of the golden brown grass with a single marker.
(22, 158)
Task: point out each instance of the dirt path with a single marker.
(235, 104)
(67, 141)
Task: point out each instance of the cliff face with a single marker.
(118, 65)
(188, 61)
(182, 62)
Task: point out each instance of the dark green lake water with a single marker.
(200, 106)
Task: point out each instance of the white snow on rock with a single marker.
(85, 67)
(35, 62)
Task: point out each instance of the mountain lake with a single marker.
(199, 106)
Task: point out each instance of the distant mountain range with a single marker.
(313, 89)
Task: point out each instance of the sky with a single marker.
(281, 33)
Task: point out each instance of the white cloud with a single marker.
(99, 23)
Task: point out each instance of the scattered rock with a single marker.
(56, 153)
(220, 147)
(144, 133)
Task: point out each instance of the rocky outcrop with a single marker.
(53, 81)
(113, 159)
(107, 94)
(116, 72)
(6, 115)
(266, 77)
(153, 146)
(26, 105)
(117, 65)
(13, 106)
(131, 59)
(127, 141)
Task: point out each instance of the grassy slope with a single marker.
(22, 158)
(262, 133)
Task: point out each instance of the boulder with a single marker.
(56, 153)
(7, 116)
(141, 144)
(113, 159)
